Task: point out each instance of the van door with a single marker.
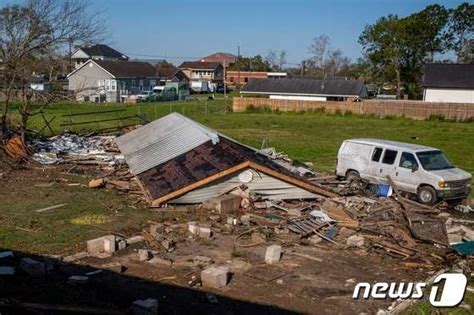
(388, 166)
(406, 177)
(374, 167)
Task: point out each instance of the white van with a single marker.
(420, 170)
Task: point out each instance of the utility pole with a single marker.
(238, 63)
(225, 92)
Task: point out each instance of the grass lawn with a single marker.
(313, 137)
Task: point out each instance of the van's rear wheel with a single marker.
(352, 175)
(427, 195)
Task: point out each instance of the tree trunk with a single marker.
(397, 71)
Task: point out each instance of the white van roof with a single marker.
(393, 144)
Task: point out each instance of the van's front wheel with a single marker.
(427, 195)
(352, 175)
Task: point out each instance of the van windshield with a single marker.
(434, 160)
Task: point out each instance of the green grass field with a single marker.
(313, 137)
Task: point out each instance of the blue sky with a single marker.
(195, 28)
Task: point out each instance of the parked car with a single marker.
(420, 170)
(161, 93)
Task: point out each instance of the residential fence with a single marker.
(380, 108)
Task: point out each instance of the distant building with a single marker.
(202, 70)
(96, 52)
(223, 58)
(111, 80)
(451, 83)
(242, 77)
(169, 74)
(306, 89)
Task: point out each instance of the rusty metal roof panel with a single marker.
(163, 140)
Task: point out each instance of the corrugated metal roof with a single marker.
(263, 185)
(163, 140)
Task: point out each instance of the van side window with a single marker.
(389, 157)
(407, 160)
(377, 154)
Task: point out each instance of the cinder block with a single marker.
(205, 232)
(273, 254)
(110, 244)
(215, 277)
(143, 254)
(145, 307)
(135, 239)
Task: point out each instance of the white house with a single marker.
(450, 83)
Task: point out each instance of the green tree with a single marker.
(461, 26)
(255, 63)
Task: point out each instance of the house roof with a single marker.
(220, 57)
(306, 87)
(104, 51)
(128, 69)
(199, 65)
(167, 72)
(174, 155)
(439, 75)
(162, 140)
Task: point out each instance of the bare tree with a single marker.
(319, 49)
(336, 62)
(32, 31)
(276, 59)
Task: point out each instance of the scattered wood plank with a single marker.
(51, 208)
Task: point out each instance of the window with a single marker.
(377, 154)
(389, 157)
(134, 83)
(407, 160)
(113, 85)
(434, 160)
(107, 85)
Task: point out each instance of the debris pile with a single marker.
(98, 150)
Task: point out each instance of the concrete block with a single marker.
(355, 241)
(135, 239)
(143, 254)
(202, 261)
(215, 277)
(205, 232)
(145, 307)
(454, 238)
(223, 204)
(110, 244)
(33, 267)
(122, 244)
(273, 254)
(193, 228)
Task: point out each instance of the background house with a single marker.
(208, 71)
(171, 74)
(111, 81)
(240, 78)
(96, 52)
(306, 89)
(223, 58)
(452, 83)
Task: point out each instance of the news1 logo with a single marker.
(447, 290)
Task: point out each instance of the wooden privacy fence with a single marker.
(380, 108)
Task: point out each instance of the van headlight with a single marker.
(443, 184)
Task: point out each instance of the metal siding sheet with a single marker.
(266, 186)
(162, 140)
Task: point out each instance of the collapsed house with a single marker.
(178, 160)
